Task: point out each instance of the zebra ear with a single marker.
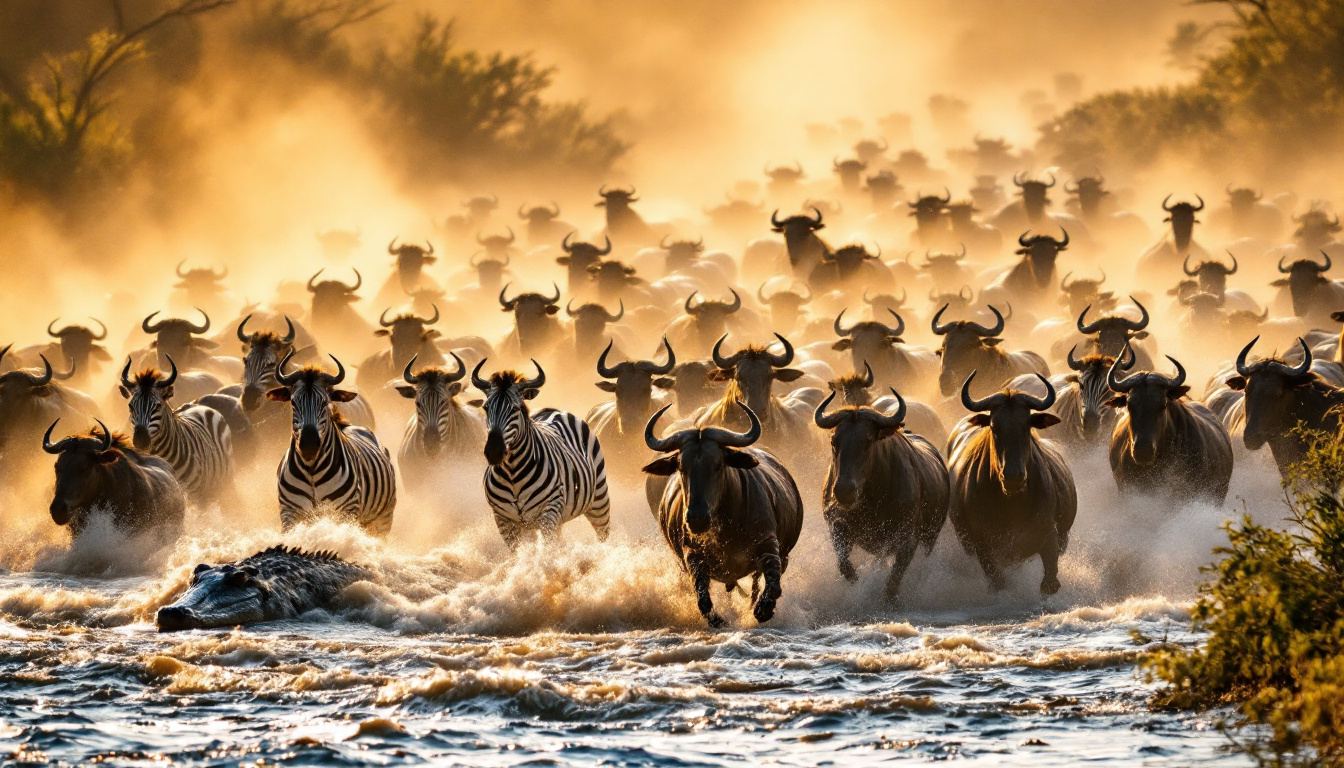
(528, 394)
(126, 393)
(477, 403)
(454, 388)
(166, 393)
(406, 391)
(342, 396)
(279, 395)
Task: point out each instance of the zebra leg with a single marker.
(599, 512)
(755, 587)
(695, 563)
(840, 541)
(769, 565)
(509, 530)
(905, 552)
(1050, 560)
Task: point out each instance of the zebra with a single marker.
(1082, 404)
(330, 462)
(545, 469)
(195, 440)
(441, 431)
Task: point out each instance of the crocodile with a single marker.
(275, 583)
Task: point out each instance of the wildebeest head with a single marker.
(1089, 190)
(1244, 322)
(262, 352)
(958, 302)
(882, 303)
(612, 279)
(692, 384)
(531, 311)
(1212, 275)
(850, 258)
(712, 316)
(311, 393)
(590, 323)
(928, 209)
(751, 370)
(616, 200)
(1315, 228)
(1035, 194)
(870, 150)
(330, 297)
(78, 344)
(539, 215)
(408, 334)
(479, 207)
(497, 247)
(782, 176)
(1041, 252)
(178, 339)
(854, 431)
(1011, 416)
(1089, 374)
(682, 253)
(201, 285)
(1079, 293)
(797, 228)
(701, 457)
(147, 395)
(964, 342)
(1182, 218)
(1242, 200)
(78, 460)
(1269, 385)
(411, 259)
(942, 267)
(1304, 277)
(786, 307)
(632, 382)
(433, 390)
(850, 172)
(869, 342)
(578, 258)
(961, 215)
(1110, 335)
(19, 390)
(885, 188)
(1146, 395)
(853, 387)
(506, 413)
(489, 271)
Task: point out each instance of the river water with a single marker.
(457, 652)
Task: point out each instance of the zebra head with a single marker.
(506, 414)
(310, 391)
(1093, 391)
(148, 395)
(433, 390)
(263, 350)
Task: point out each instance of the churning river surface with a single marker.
(459, 653)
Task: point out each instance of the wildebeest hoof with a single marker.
(715, 621)
(1049, 586)
(764, 610)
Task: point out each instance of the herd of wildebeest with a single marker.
(730, 350)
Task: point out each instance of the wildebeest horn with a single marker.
(107, 436)
(1201, 203)
(433, 319)
(783, 358)
(900, 323)
(1180, 373)
(311, 288)
(50, 332)
(289, 331)
(1242, 367)
(178, 269)
(461, 369)
(648, 366)
(332, 381)
(172, 377)
(1303, 366)
(1037, 403)
(1065, 284)
(283, 378)
(556, 299)
(1052, 181)
(1017, 179)
(126, 374)
(947, 196)
(602, 369)
(838, 328)
(725, 362)
(100, 325)
(1089, 328)
(1281, 267)
(382, 319)
(1233, 270)
(60, 445)
(476, 380)
(940, 329)
(1074, 362)
(978, 406)
(564, 244)
(820, 418)
(199, 329)
(867, 374)
(817, 220)
(502, 301)
(1062, 244)
(569, 307)
(1142, 322)
(1166, 207)
(1326, 266)
(606, 250)
(1124, 385)
(616, 317)
(663, 445)
(359, 280)
(406, 374)
(732, 439)
(1023, 240)
(689, 310)
(737, 301)
(241, 335)
(774, 219)
(148, 327)
(760, 293)
(998, 326)
(43, 379)
(392, 246)
(534, 383)
(1185, 267)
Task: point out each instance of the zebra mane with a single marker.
(148, 377)
(851, 380)
(338, 418)
(266, 339)
(502, 379)
(1096, 359)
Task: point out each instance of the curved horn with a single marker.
(1281, 269)
(534, 383)
(1185, 267)
(242, 335)
(602, 369)
(1180, 372)
(689, 310)
(663, 445)
(783, 358)
(1305, 365)
(564, 244)
(725, 363)
(340, 372)
(1326, 266)
(45, 378)
(289, 331)
(502, 301)
(737, 301)
(46, 440)
(172, 377)
(978, 406)
(1041, 404)
(1142, 322)
(760, 293)
(107, 436)
(283, 378)
(476, 380)
(1023, 240)
(820, 418)
(406, 374)
(649, 366)
(178, 269)
(732, 439)
(817, 220)
(1166, 207)
(311, 287)
(774, 219)
(900, 323)
(867, 374)
(126, 374)
(1121, 385)
(1064, 284)
(151, 328)
(1201, 203)
(941, 329)
(569, 307)
(1242, 367)
(392, 246)
(430, 246)
(461, 369)
(897, 417)
(947, 196)
(555, 300)
(199, 329)
(433, 319)
(1052, 181)
(100, 325)
(840, 329)
(998, 326)
(1089, 328)
(607, 249)
(616, 317)
(1074, 362)
(383, 321)
(1017, 179)
(51, 333)
(359, 280)
(1062, 244)
(1233, 270)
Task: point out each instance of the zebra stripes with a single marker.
(545, 469)
(441, 432)
(331, 467)
(194, 440)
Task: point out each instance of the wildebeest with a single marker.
(894, 362)
(1163, 443)
(1159, 263)
(331, 313)
(850, 172)
(692, 385)
(1279, 399)
(578, 258)
(28, 400)
(1013, 495)
(623, 223)
(179, 339)
(1032, 279)
(726, 509)
(1314, 295)
(784, 181)
(104, 473)
(1030, 210)
(75, 346)
(535, 328)
(749, 374)
(331, 466)
(886, 491)
(695, 332)
(1079, 293)
(1110, 335)
(201, 287)
(931, 226)
(589, 323)
(410, 336)
(543, 224)
(617, 422)
(410, 276)
(786, 307)
(442, 432)
(805, 249)
(969, 346)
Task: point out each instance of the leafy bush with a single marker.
(1275, 617)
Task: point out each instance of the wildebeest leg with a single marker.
(1050, 561)
(768, 564)
(905, 552)
(840, 541)
(700, 579)
(991, 569)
